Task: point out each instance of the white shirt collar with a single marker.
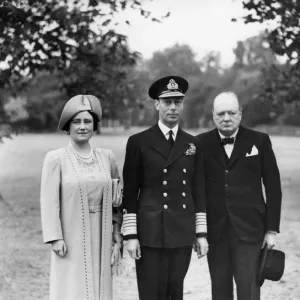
(165, 130)
(232, 136)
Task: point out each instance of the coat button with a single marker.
(183, 194)
(226, 171)
(164, 183)
(184, 206)
(165, 170)
(184, 182)
(226, 185)
(165, 194)
(184, 170)
(165, 206)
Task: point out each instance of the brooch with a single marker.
(191, 150)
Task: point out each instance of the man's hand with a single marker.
(270, 240)
(134, 249)
(59, 247)
(201, 246)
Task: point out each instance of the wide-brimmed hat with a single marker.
(169, 86)
(78, 104)
(271, 265)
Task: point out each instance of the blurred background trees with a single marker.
(52, 50)
(281, 82)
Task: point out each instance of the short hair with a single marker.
(226, 94)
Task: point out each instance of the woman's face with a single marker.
(81, 127)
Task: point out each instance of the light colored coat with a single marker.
(65, 215)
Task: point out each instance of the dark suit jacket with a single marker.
(150, 173)
(235, 189)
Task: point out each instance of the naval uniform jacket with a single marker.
(161, 196)
(234, 186)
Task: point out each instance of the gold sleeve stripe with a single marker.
(129, 224)
(201, 225)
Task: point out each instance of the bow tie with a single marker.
(227, 140)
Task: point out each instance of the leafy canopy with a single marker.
(48, 35)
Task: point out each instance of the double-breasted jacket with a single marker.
(162, 196)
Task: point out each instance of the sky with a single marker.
(205, 25)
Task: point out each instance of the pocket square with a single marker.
(253, 152)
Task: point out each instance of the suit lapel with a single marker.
(159, 142)
(241, 145)
(216, 148)
(180, 146)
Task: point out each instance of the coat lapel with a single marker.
(216, 148)
(179, 148)
(241, 145)
(159, 142)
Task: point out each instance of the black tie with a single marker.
(171, 140)
(227, 140)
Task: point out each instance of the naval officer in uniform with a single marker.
(164, 208)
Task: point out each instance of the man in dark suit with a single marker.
(164, 211)
(239, 220)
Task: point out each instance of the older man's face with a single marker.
(227, 114)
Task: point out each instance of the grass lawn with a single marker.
(24, 259)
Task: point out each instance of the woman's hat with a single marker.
(170, 86)
(78, 104)
(271, 265)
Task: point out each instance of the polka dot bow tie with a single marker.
(227, 140)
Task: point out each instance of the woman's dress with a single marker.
(85, 222)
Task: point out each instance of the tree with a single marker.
(254, 53)
(178, 59)
(284, 39)
(74, 39)
(50, 34)
(281, 84)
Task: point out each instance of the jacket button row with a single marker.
(184, 170)
(164, 182)
(165, 194)
(184, 182)
(165, 206)
(183, 194)
(165, 170)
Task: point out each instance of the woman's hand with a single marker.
(59, 247)
(117, 235)
(118, 238)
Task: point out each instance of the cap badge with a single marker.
(172, 85)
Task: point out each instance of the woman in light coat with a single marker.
(79, 196)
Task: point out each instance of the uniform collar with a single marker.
(165, 130)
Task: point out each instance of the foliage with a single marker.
(48, 35)
(74, 40)
(176, 60)
(280, 84)
(284, 39)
